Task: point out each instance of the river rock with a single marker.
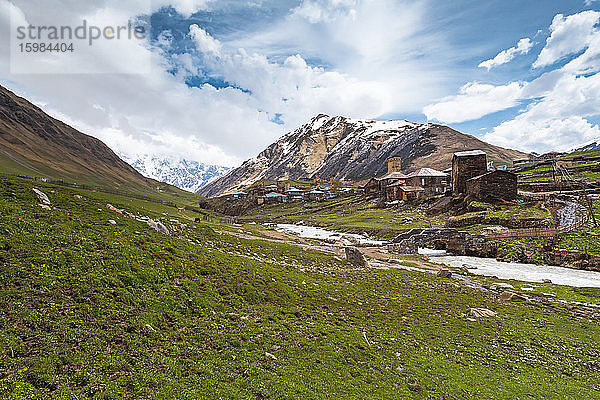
(354, 256)
(350, 240)
(444, 273)
(42, 198)
(158, 226)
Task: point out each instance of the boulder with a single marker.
(481, 312)
(508, 296)
(350, 240)
(501, 285)
(444, 273)
(354, 256)
(158, 226)
(42, 198)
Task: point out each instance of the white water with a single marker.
(518, 271)
(312, 232)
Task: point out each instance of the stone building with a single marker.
(433, 182)
(467, 165)
(394, 164)
(493, 185)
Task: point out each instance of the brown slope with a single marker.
(448, 141)
(33, 143)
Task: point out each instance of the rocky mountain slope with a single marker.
(33, 143)
(185, 174)
(352, 149)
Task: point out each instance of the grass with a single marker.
(94, 310)
(353, 214)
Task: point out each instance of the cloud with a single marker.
(204, 42)
(568, 35)
(505, 56)
(474, 101)
(316, 11)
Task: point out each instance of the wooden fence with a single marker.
(535, 232)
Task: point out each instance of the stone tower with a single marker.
(394, 164)
(467, 165)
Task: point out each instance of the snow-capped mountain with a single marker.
(354, 149)
(185, 174)
(591, 146)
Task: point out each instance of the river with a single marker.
(517, 271)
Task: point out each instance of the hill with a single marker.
(354, 150)
(35, 144)
(95, 309)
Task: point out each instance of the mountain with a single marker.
(185, 174)
(587, 147)
(33, 143)
(353, 149)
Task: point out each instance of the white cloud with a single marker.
(204, 42)
(543, 135)
(569, 35)
(506, 56)
(316, 11)
(474, 101)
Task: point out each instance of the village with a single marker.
(470, 173)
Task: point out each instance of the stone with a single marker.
(501, 285)
(158, 226)
(481, 312)
(78, 196)
(350, 240)
(45, 207)
(508, 296)
(444, 273)
(546, 281)
(112, 222)
(271, 356)
(354, 256)
(42, 198)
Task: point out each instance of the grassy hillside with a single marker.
(91, 309)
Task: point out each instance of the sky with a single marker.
(217, 81)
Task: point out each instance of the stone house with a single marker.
(400, 191)
(493, 186)
(467, 165)
(433, 182)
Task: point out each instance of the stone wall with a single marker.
(493, 185)
(457, 242)
(465, 168)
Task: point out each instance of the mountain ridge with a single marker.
(34, 143)
(186, 174)
(353, 150)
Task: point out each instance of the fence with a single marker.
(533, 232)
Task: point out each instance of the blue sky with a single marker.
(229, 77)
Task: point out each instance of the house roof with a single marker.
(498, 171)
(317, 191)
(427, 172)
(394, 175)
(411, 188)
(469, 153)
(274, 194)
(238, 193)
